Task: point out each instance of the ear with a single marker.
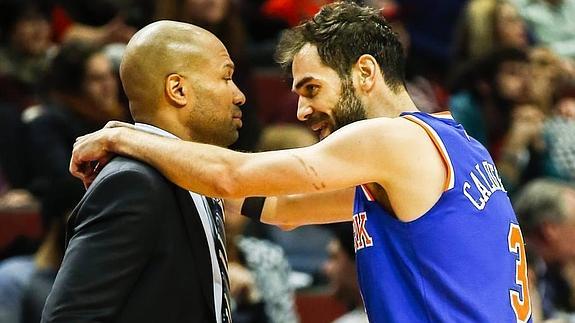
(366, 69)
(175, 90)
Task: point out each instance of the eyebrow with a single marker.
(230, 66)
(301, 83)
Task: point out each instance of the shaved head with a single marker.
(156, 51)
(178, 77)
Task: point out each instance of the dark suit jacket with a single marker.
(136, 252)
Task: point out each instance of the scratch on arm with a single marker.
(310, 170)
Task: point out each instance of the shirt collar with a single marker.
(155, 130)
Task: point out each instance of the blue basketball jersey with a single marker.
(462, 261)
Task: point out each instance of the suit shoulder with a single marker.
(119, 166)
(125, 186)
(122, 173)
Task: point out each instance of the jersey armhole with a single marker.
(450, 178)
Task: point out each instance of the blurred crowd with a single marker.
(504, 68)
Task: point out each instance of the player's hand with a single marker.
(90, 154)
(526, 126)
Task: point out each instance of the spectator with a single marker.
(259, 275)
(484, 27)
(559, 133)
(523, 148)
(25, 281)
(496, 108)
(25, 42)
(547, 70)
(82, 95)
(487, 93)
(552, 23)
(26, 38)
(341, 273)
(546, 212)
(99, 22)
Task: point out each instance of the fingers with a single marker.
(90, 154)
(88, 158)
(88, 171)
(89, 179)
(117, 124)
(80, 139)
(83, 171)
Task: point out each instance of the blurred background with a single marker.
(504, 68)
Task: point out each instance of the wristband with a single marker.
(253, 207)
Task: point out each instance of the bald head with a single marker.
(156, 51)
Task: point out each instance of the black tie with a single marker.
(220, 242)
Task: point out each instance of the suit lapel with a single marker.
(198, 243)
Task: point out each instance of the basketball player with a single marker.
(436, 238)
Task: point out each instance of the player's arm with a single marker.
(114, 237)
(361, 152)
(291, 211)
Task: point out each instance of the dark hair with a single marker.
(488, 66)
(484, 68)
(68, 68)
(342, 32)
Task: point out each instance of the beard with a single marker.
(349, 107)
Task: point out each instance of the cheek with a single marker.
(509, 85)
(325, 105)
(100, 92)
(91, 90)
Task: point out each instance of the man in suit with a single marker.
(139, 248)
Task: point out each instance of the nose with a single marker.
(239, 97)
(303, 109)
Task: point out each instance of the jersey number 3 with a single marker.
(520, 303)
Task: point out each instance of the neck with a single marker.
(166, 126)
(386, 103)
(164, 119)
